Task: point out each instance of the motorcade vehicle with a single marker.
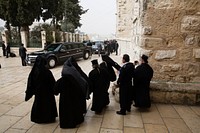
(98, 45)
(56, 53)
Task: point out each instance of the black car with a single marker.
(98, 45)
(58, 52)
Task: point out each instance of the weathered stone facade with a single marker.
(166, 30)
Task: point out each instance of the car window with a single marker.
(81, 45)
(68, 46)
(74, 46)
(52, 47)
(63, 48)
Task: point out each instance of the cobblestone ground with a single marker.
(15, 112)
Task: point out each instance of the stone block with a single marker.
(192, 69)
(152, 42)
(147, 31)
(185, 54)
(165, 54)
(192, 40)
(196, 53)
(158, 96)
(190, 24)
(177, 93)
(181, 98)
(171, 68)
(164, 4)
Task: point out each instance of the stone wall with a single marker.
(166, 30)
(174, 39)
(124, 18)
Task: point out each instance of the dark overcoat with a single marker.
(125, 82)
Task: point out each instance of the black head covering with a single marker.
(110, 61)
(39, 65)
(73, 61)
(94, 62)
(145, 58)
(38, 69)
(69, 69)
(40, 61)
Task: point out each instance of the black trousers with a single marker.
(125, 96)
(23, 61)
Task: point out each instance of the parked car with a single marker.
(58, 53)
(96, 45)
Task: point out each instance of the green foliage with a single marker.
(28, 11)
(15, 37)
(58, 36)
(49, 36)
(22, 13)
(73, 12)
(35, 39)
(54, 10)
(4, 9)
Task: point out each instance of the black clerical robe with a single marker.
(100, 83)
(41, 83)
(142, 77)
(72, 102)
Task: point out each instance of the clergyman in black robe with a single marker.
(108, 64)
(125, 82)
(100, 83)
(142, 77)
(72, 87)
(41, 83)
(78, 68)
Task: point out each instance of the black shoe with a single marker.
(121, 113)
(97, 112)
(128, 110)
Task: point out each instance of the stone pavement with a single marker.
(15, 112)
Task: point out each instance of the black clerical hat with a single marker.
(145, 58)
(94, 62)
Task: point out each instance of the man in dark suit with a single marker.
(4, 48)
(8, 50)
(22, 54)
(125, 85)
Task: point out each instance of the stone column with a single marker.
(62, 36)
(70, 37)
(81, 37)
(54, 36)
(66, 36)
(77, 38)
(4, 37)
(73, 37)
(24, 37)
(43, 37)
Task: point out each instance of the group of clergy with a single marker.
(75, 87)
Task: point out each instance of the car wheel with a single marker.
(86, 55)
(51, 62)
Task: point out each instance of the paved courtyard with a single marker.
(15, 112)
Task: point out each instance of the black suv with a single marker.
(58, 52)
